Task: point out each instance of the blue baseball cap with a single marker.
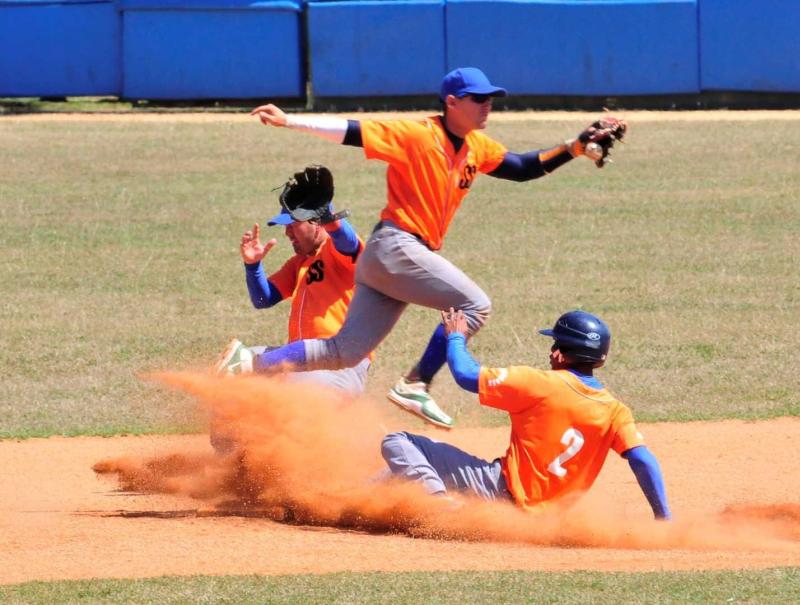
(284, 218)
(469, 80)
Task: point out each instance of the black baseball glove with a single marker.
(598, 139)
(307, 196)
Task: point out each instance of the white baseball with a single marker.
(593, 151)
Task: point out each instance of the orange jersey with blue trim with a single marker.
(426, 179)
(321, 288)
(561, 430)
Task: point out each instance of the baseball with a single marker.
(593, 151)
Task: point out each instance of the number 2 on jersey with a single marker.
(573, 439)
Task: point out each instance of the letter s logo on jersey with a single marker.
(315, 272)
(467, 176)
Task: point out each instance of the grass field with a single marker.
(774, 586)
(120, 247)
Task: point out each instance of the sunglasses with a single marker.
(479, 99)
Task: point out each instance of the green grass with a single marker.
(771, 586)
(120, 256)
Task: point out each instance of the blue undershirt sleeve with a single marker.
(464, 367)
(345, 239)
(519, 167)
(648, 473)
(263, 294)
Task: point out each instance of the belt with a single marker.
(393, 225)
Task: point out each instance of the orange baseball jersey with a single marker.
(321, 288)
(561, 430)
(426, 179)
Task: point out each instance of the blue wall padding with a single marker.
(126, 5)
(376, 48)
(578, 48)
(750, 45)
(59, 49)
(196, 52)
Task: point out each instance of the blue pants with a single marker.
(441, 467)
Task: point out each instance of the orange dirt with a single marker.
(307, 505)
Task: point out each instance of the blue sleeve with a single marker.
(532, 165)
(519, 167)
(464, 367)
(345, 239)
(648, 473)
(263, 294)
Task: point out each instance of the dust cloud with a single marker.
(304, 454)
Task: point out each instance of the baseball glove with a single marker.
(307, 195)
(598, 139)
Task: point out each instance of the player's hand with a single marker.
(270, 115)
(252, 249)
(454, 322)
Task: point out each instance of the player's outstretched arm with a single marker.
(648, 474)
(338, 130)
(594, 142)
(464, 367)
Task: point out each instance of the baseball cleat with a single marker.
(414, 397)
(236, 359)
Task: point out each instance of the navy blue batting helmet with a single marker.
(581, 335)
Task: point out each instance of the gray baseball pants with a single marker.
(351, 380)
(441, 467)
(394, 270)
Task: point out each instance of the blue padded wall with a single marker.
(211, 49)
(578, 48)
(750, 45)
(59, 49)
(376, 48)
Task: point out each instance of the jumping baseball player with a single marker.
(563, 423)
(432, 165)
(319, 278)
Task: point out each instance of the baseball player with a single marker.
(319, 278)
(432, 164)
(563, 423)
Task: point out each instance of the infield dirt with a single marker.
(301, 499)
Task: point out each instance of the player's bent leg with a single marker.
(398, 265)
(440, 465)
(370, 317)
(406, 460)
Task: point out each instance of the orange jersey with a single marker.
(426, 179)
(561, 430)
(321, 288)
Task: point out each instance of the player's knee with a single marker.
(392, 447)
(478, 316)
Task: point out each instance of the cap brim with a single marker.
(492, 91)
(547, 332)
(281, 219)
